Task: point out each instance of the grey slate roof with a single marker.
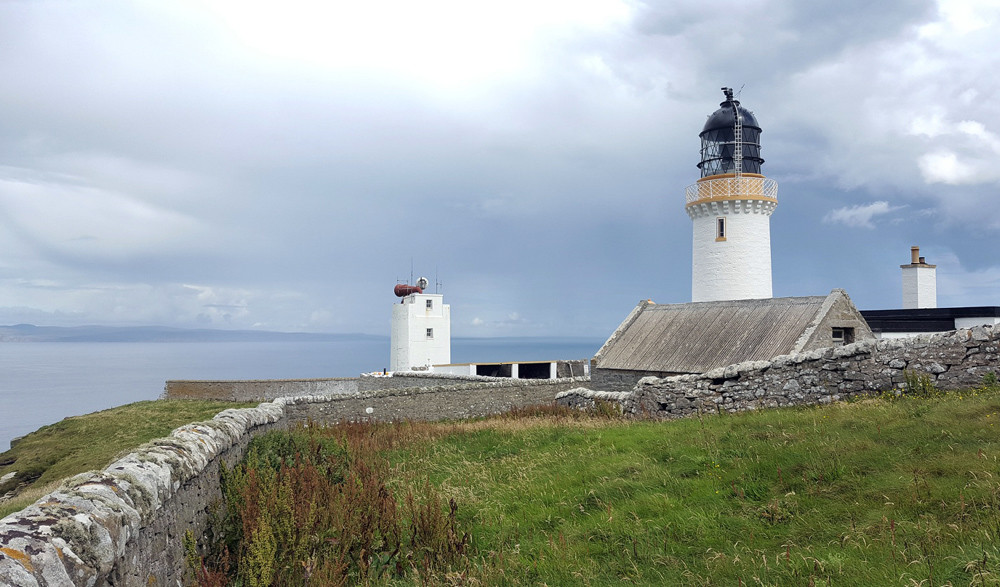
(697, 337)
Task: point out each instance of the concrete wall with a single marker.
(954, 360)
(125, 525)
(257, 390)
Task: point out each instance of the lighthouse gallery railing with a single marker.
(732, 187)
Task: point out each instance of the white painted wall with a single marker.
(740, 266)
(973, 322)
(460, 369)
(900, 334)
(410, 347)
(919, 286)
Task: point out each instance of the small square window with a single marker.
(430, 304)
(430, 333)
(720, 228)
(842, 336)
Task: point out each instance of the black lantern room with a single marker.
(718, 139)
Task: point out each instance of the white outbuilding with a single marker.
(421, 329)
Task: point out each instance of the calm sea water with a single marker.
(41, 383)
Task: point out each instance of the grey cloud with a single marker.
(292, 195)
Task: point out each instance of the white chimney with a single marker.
(919, 282)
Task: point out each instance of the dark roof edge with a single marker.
(933, 313)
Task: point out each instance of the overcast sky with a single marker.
(241, 164)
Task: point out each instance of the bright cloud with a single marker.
(859, 216)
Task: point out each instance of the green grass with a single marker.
(903, 492)
(891, 491)
(83, 443)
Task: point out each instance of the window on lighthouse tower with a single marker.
(720, 228)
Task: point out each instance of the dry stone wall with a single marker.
(619, 379)
(954, 360)
(258, 390)
(125, 525)
(405, 379)
(448, 402)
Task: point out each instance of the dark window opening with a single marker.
(720, 229)
(430, 333)
(430, 304)
(842, 336)
(494, 370)
(533, 370)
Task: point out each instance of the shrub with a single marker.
(313, 506)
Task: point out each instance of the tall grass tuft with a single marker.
(313, 506)
(918, 384)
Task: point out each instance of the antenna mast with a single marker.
(737, 134)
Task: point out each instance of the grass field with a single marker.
(890, 491)
(886, 491)
(78, 444)
(869, 493)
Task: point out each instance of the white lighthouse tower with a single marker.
(421, 329)
(730, 207)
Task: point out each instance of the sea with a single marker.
(44, 382)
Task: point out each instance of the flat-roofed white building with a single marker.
(421, 329)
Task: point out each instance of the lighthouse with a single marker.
(421, 329)
(730, 207)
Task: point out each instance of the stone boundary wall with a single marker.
(254, 390)
(404, 379)
(449, 402)
(619, 379)
(952, 360)
(125, 525)
(251, 390)
(582, 398)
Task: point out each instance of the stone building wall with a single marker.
(837, 312)
(619, 379)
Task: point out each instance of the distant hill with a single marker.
(32, 333)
